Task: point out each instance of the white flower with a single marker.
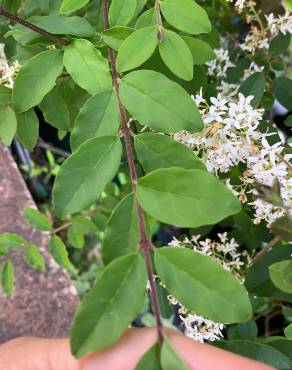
(219, 66)
(201, 329)
(282, 23)
(7, 72)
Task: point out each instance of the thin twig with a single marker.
(43, 145)
(145, 244)
(266, 249)
(48, 35)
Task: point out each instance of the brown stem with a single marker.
(266, 249)
(145, 243)
(15, 18)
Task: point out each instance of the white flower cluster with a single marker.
(219, 66)
(198, 327)
(226, 253)
(256, 39)
(230, 137)
(201, 329)
(242, 4)
(281, 23)
(231, 128)
(7, 72)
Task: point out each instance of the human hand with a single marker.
(54, 354)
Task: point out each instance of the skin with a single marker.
(51, 354)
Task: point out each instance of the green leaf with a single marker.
(88, 68)
(155, 101)
(137, 48)
(121, 12)
(288, 332)
(201, 51)
(5, 95)
(59, 253)
(122, 231)
(170, 360)
(186, 16)
(37, 219)
(27, 129)
(69, 6)
(257, 351)
(157, 151)
(8, 125)
(189, 275)
(55, 110)
(12, 241)
(33, 258)
(151, 359)
(7, 278)
(279, 44)
(111, 305)
(114, 37)
(196, 197)
(75, 238)
(281, 275)
(85, 173)
(283, 227)
(39, 73)
(60, 24)
(258, 281)
(176, 55)
(84, 225)
(147, 19)
(281, 344)
(283, 90)
(100, 116)
(254, 85)
(140, 5)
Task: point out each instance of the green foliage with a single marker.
(98, 117)
(33, 258)
(137, 48)
(27, 129)
(281, 275)
(222, 297)
(282, 89)
(59, 252)
(168, 108)
(176, 55)
(37, 219)
(257, 351)
(201, 51)
(115, 36)
(69, 6)
(156, 151)
(8, 124)
(85, 174)
(170, 359)
(151, 359)
(87, 66)
(105, 312)
(122, 231)
(40, 73)
(186, 15)
(254, 85)
(192, 195)
(258, 279)
(120, 12)
(7, 278)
